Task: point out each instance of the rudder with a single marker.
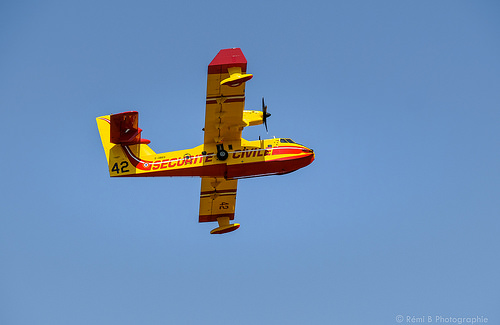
(118, 131)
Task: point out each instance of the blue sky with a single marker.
(398, 215)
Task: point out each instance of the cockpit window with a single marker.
(287, 141)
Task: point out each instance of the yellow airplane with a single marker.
(222, 159)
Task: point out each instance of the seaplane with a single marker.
(223, 158)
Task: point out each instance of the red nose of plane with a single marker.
(310, 157)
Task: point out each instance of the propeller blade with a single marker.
(265, 114)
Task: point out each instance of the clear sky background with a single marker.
(398, 215)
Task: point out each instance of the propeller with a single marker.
(265, 114)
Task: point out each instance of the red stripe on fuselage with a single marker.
(272, 167)
(241, 170)
(287, 150)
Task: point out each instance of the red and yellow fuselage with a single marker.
(244, 158)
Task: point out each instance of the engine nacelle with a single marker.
(253, 117)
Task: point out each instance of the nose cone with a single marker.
(312, 155)
(309, 154)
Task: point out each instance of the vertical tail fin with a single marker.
(119, 132)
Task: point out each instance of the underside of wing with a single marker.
(225, 97)
(218, 202)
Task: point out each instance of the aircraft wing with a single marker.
(217, 202)
(225, 97)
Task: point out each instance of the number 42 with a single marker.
(122, 168)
